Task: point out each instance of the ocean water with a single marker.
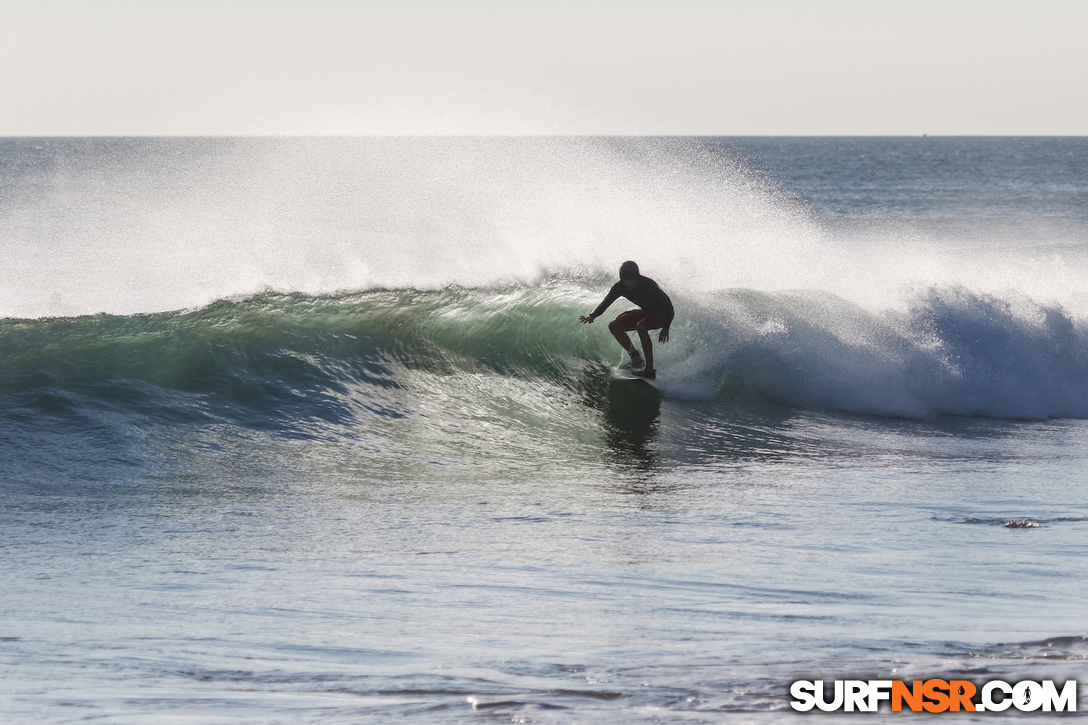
(307, 430)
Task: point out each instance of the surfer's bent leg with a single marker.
(647, 345)
(616, 327)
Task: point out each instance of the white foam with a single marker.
(951, 352)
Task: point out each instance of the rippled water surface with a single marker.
(436, 504)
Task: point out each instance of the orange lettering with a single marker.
(932, 690)
(912, 695)
(961, 692)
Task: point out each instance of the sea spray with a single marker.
(124, 225)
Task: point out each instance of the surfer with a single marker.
(656, 313)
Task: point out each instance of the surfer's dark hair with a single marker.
(628, 270)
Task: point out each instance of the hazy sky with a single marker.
(731, 67)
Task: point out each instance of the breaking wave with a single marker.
(310, 364)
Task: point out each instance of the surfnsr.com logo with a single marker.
(934, 696)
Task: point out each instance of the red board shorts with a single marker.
(629, 320)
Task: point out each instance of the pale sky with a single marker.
(730, 67)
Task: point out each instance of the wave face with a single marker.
(330, 365)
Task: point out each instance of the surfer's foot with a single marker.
(635, 362)
(648, 374)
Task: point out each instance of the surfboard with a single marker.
(627, 375)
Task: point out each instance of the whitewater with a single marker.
(307, 429)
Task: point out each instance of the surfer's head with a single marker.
(628, 271)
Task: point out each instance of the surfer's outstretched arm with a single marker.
(612, 296)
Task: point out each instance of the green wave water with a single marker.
(289, 361)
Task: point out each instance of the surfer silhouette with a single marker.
(655, 313)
